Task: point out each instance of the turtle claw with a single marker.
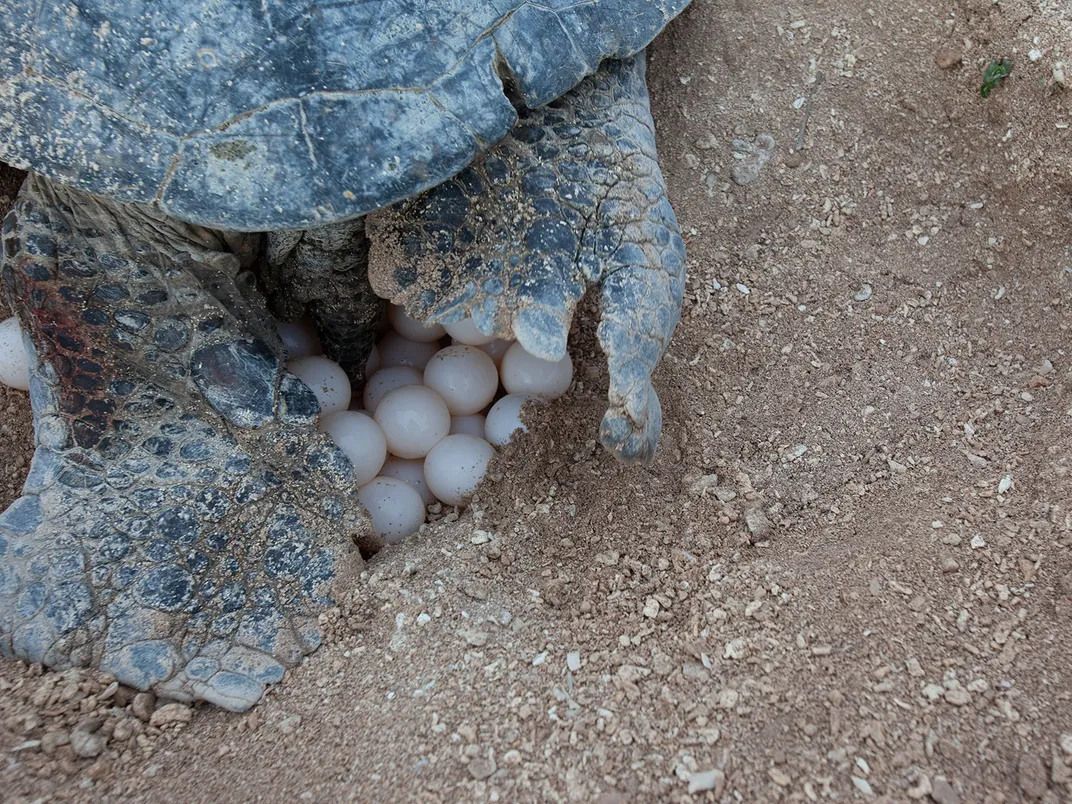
(631, 432)
(183, 523)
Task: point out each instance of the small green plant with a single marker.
(994, 74)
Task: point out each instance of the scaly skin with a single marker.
(573, 196)
(184, 522)
(322, 273)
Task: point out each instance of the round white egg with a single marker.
(411, 328)
(504, 419)
(394, 506)
(464, 376)
(523, 373)
(465, 332)
(496, 349)
(414, 419)
(299, 339)
(14, 360)
(398, 351)
(473, 425)
(364, 443)
(386, 380)
(372, 365)
(409, 470)
(455, 467)
(326, 379)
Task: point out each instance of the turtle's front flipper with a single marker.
(323, 273)
(572, 196)
(183, 522)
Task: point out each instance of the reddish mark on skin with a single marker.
(62, 338)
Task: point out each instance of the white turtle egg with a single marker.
(523, 373)
(409, 470)
(326, 378)
(473, 425)
(414, 419)
(398, 351)
(464, 376)
(465, 332)
(504, 419)
(496, 349)
(455, 467)
(372, 365)
(386, 380)
(14, 360)
(361, 439)
(299, 339)
(394, 506)
(411, 328)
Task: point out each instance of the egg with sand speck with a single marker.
(455, 466)
(523, 373)
(386, 380)
(364, 443)
(394, 506)
(326, 379)
(14, 360)
(464, 376)
(414, 419)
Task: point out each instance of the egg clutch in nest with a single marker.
(437, 402)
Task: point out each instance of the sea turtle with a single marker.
(195, 164)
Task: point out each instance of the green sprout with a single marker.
(993, 75)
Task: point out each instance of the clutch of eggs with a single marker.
(437, 401)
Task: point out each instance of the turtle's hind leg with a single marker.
(323, 273)
(573, 196)
(183, 523)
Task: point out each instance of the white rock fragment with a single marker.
(707, 780)
(735, 649)
(573, 661)
(862, 785)
(1005, 484)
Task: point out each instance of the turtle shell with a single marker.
(269, 114)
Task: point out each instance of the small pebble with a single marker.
(862, 785)
(482, 768)
(171, 713)
(713, 779)
(142, 705)
(942, 791)
(958, 696)
(947, 58)
(86, 741)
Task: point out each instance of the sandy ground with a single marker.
(848, 574)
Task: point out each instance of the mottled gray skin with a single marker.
(322, 274)
(184, 522)
(572, 197)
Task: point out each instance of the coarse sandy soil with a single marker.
(848, 574)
